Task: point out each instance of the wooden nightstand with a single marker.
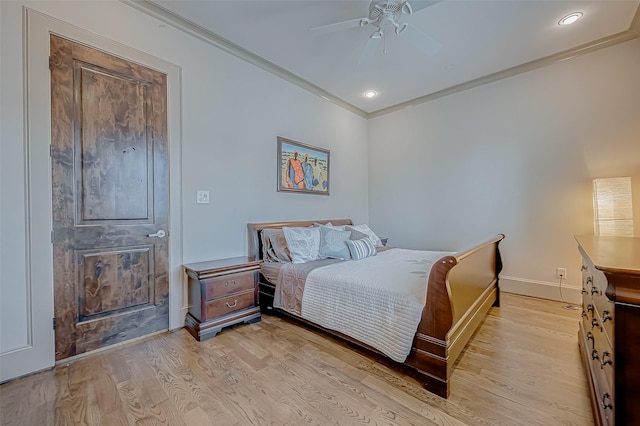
(221, 293)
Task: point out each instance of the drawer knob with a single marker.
(605, 316)
(595, 322)
(590, 337)
(589, 307)
(594, 290)
(235, 303)
(589, 280)
(584, 290)
(584, 267)
(605, 361)
(594, 354)
(605, 404)
(231, 282)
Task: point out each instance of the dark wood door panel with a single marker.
(110, 192)
(113, 281)
(114, 156)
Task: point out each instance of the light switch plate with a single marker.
(202, 197)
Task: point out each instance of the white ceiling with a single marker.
(478, 37)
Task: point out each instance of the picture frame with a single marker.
(302, 168)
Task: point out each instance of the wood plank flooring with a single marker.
(521, 368)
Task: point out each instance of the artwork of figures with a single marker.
(302, 168)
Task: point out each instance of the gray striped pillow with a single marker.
(360, 249)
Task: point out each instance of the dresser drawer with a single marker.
(605, 400)
(226, 305)
(229, 284)
(604, 363)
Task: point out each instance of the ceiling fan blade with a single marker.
(338, 26)
(417, 5)
(420, 40)
(367, 53)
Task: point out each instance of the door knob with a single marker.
(158, 234)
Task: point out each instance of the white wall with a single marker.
(517, 157)
(232, 113)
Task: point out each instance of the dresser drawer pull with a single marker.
(594, 290)
(584, 290)
(232, 282)
(589, 307)
(590, 337)
(606, 404)
(605, 316)
(594, 354)
(589, 280)
(595, 322)
(235, 303)
(584, 268)
(604, 361)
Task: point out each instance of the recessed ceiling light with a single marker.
(370, 93)
(570, 18)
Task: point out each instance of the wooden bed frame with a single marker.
(461, 290)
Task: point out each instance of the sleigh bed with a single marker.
(460, 289)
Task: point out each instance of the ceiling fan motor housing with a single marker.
(387, 12)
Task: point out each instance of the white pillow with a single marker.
(365, 230)
(303, 243)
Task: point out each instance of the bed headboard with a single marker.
(254, 229)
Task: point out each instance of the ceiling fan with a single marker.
(385, 16)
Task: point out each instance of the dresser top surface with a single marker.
(612, 254)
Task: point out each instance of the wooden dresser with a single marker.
(221, 293)
(609, 334)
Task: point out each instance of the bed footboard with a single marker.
(460, 292)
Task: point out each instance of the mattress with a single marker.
(377, 301)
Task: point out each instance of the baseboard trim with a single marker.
(541, 289)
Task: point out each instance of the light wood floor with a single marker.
(521, 368)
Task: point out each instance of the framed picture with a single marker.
(302, 168)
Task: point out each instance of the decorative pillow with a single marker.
(279, 247)
(360, 249)
(268, 253)
(365, 230)
(303, 243)
(333, 243)
(357, 235)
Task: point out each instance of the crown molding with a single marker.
(213, 39)
(635, 23)
(513, 71)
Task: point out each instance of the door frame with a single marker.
(39, 351)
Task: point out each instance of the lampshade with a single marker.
(612, 207)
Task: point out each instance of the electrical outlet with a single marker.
(202, 197)
(561, 273)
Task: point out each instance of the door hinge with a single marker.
(54, 323)
(50, 150)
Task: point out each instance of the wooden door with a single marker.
(110, 195)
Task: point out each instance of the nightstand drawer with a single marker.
(227, 305)
(229, 285)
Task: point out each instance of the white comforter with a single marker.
(377, 300)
